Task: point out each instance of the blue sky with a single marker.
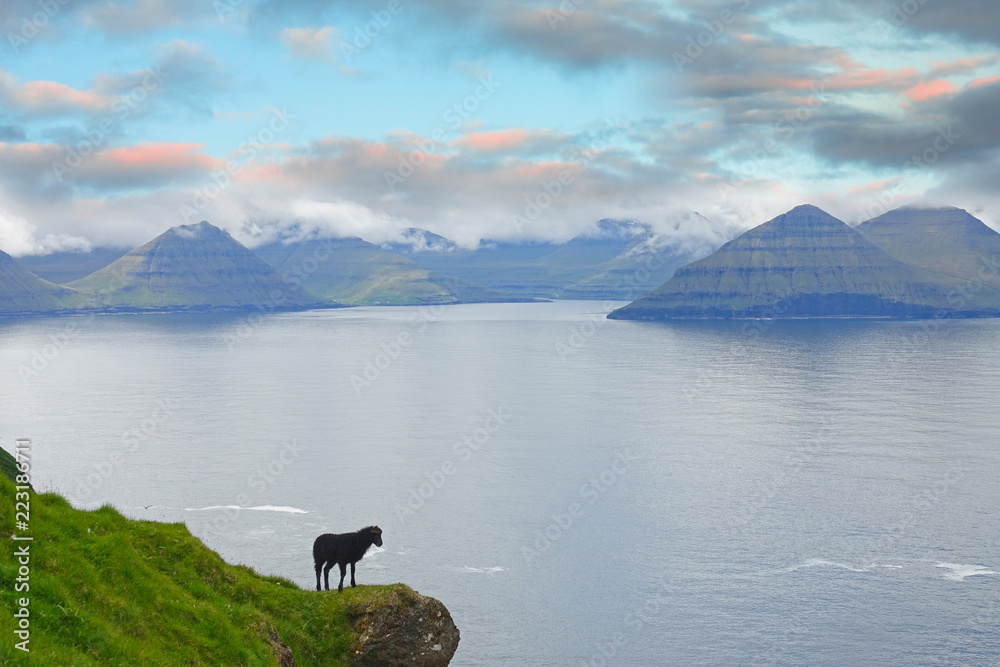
(476, 120)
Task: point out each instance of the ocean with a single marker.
(576, 491)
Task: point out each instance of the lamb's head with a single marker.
(376, 535)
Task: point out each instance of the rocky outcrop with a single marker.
(403, 628)
(281, 652)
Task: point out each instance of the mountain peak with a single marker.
(950, 241)
(804, 263)
(202, 230)
(807, 209)
(196, 266)
(804, 215)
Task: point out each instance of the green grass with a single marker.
(107, 590)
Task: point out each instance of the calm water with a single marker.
(665, 494)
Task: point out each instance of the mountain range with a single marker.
(355, 272)
(617, 260)
(182, 269)
(807, 263)
(195, 267)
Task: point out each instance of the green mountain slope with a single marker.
(107, 590)
(355, 272)
(22, 292)
(805, 263)
(948, 241)
(195, 267)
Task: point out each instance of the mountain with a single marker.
(22, 292)
(805, 263)
(944, 240)
(355, 272)
(64, 267)
(195, 267)
(536, 269)
(648, 261)
(419, 240)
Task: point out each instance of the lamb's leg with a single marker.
(343, 573)
(326, 574)
(319, 568)
(353, 585)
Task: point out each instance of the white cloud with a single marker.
(18, 238)
(310, 43)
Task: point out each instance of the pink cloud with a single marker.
(929, 89)
(984, 81)
(44, 94)
(493, 141)
(858, 77)
(161, 156)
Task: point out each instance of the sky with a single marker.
(513, 119)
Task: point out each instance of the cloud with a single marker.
(31, 168)
(19, 238)
(310, 43)
(924, 91)
(141, 16)
(184, 75)
(512, 141)
(194, 76)
(49, 98)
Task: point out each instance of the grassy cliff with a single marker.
(107, 590)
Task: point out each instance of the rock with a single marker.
(405, 629)
(281, 652)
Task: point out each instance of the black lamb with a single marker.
(330, 549)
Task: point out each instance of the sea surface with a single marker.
(576, 491)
